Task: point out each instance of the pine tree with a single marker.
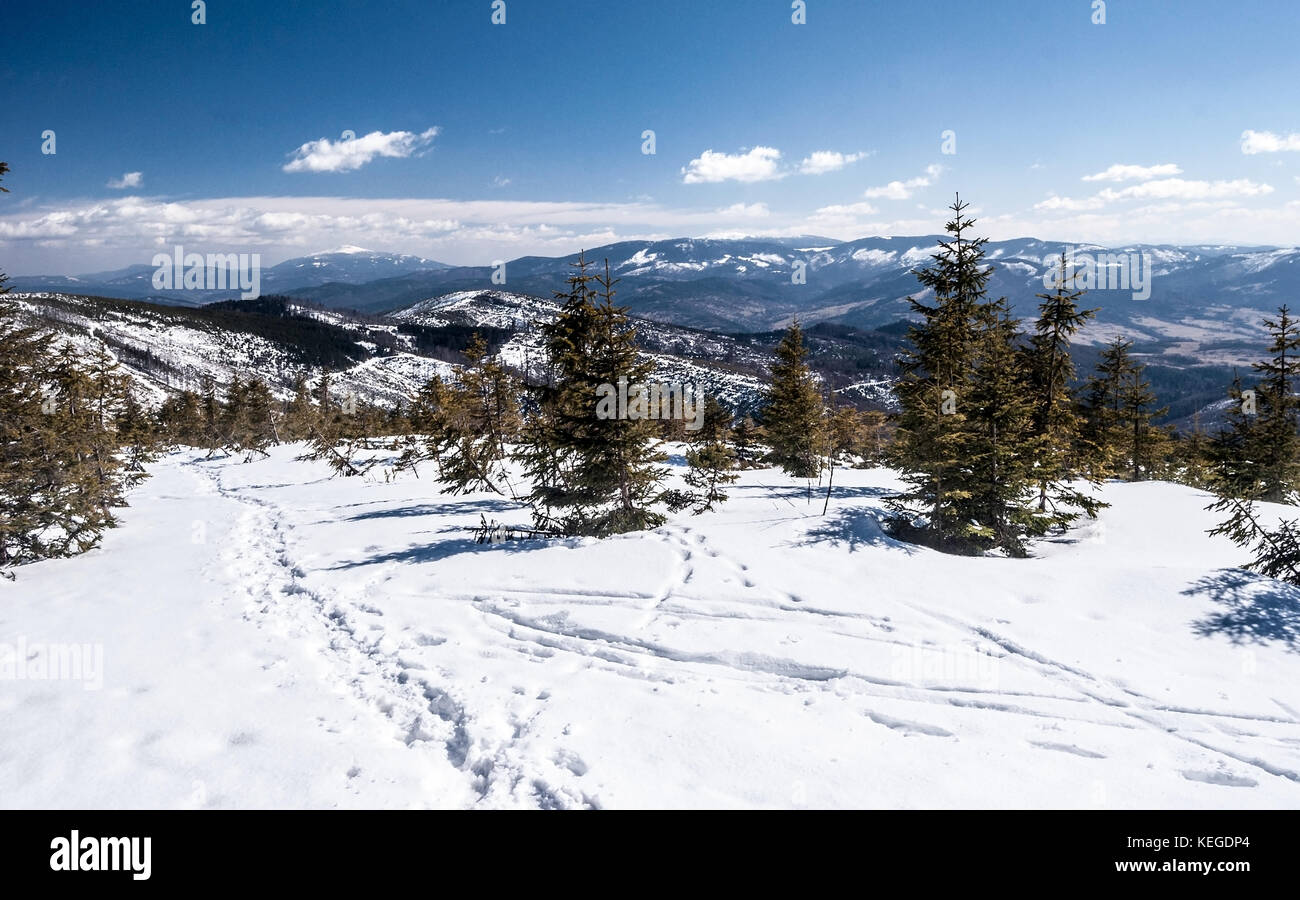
(465, 427)
(210, 416)
(1057, 423)
(25, 395)
(963, 408)
(591, 474)
(1275, 443)
(744, 441)
(1145, 444)
(794, 411)
(249, 418)
(710, 460)
(1253, 458)
(998, 480)
(300, 412)
(1102, 438)
(180, 422)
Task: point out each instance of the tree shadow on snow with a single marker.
(455, 507)
(857, 528)
(438, 549)
(1256, 609)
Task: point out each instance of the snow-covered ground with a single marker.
(272, 637)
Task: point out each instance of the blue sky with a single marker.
(477, 141)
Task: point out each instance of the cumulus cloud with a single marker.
(1119, 172)
(758, 164)
(1253, 142)
(325, 155)
(819, 162)
(902, 190)
(128, 180)
(746, 210)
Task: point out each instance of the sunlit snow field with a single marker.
(275, 637)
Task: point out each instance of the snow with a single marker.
(274, 637)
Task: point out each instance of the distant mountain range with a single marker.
(345, 265)
(1205, 302)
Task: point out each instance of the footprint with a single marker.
(1221, 776)
(571, 761)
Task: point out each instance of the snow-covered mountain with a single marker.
(385, 359)
(1204, 305)
(167, 349)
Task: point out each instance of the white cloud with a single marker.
(129, 180)
(902, 190)
(819, 162)
(758, 164)
(1253, 142)
(1070, 204)
(1178, 189)
(742, 210)
(1182, 189)
(325, 155)
(1120, 172)
(500, 181)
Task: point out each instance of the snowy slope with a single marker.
(274, 637)
(679, 355)
(167, 350)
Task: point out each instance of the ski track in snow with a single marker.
(368, 663)
(700, 617)
(382, 678)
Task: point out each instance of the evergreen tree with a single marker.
(1145, 444)
(744, 441)
(1274, 443)
(710, 460)
(300, 412)
(1057, 423)
(1253, 458)
(999, 476)
(465, 427)
(1102, 439)
(249, 417)
(591, 472)
(963, 423)
(180, 421)
(794, 411)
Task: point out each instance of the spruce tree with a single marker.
(997, 481)
(744, 441)
(710, 460)
(1274, 441)
(1057, 423)
(794, 411)
(591, 472)
(465, 427)
(1102, 438)
(1253, 458)
(180, 422)
(951, 444)
(1145, 444)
